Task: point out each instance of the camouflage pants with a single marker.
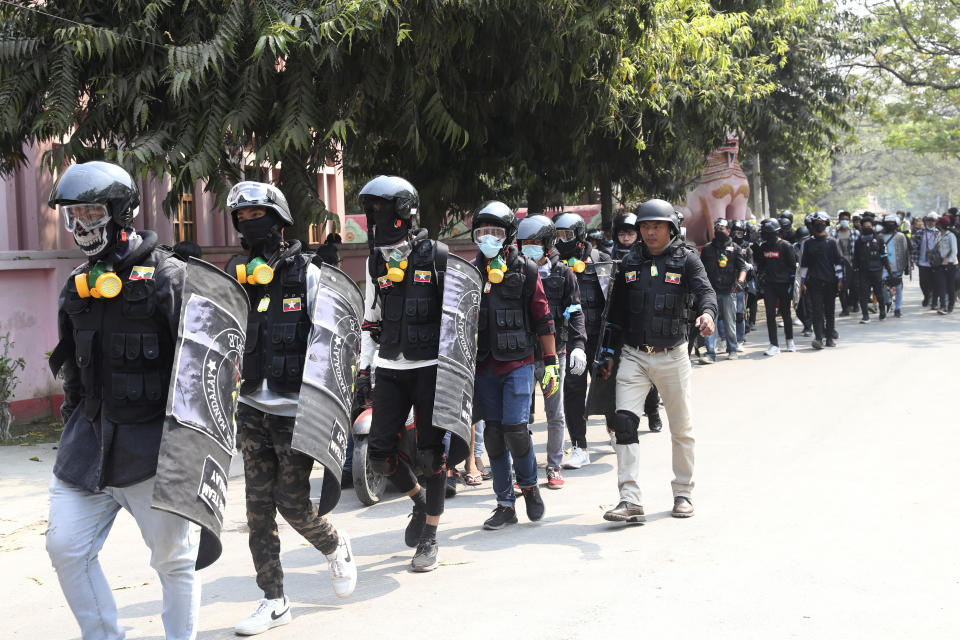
(277, 479)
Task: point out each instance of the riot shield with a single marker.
(796, 277)
(602, 395)
(199, 430)
(457, 358)
(326, 394)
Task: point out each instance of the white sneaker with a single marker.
(269, 614)
(791, 347)
(343, 567)
(578, 458)
(772, 350)
(797, 322)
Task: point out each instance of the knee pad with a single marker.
(625, 425)
(493, 439)
(517, 438)
(386, 466)
(432, 461)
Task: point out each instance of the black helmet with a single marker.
(538, 228)
(785, 223)
(404, 196)
(769, 227)
(820, 216)
(596, 237)
(738, 226)
(569, 222)
(496, 213)
(657, 210)
(723, 223)
(258, 194)
(802, 233)
(99, 183)
(786, 213)
(625, 219)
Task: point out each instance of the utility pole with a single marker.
(758, 211)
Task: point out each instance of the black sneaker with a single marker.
(535, 506)
(654, 423)
(816, 344)
(831, 342)
(896, 313)
(418, 518)
(425, 559)
(451, 489)
(502, 516)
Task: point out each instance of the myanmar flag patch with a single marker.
(672, 278)
(384, 282)
(291, 304)
(630, 276)
(141, 273)
(421, 276)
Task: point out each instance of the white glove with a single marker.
(578, 361)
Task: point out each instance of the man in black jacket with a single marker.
(727, 271)
(118, 321)
(821, 270)
(777, 266)
(661, 283)
(869, 260)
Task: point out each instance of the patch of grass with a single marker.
(36, 431)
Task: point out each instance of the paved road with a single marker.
(826, 508)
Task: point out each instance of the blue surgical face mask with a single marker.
(845, 224)
(490, 246)
(533, 251)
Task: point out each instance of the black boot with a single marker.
(654, 423)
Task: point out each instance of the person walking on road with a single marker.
(661, 283)
(898, 262)
(946, 250)
(727, 272)
(923, 242)
(777, 265)
(821, 272)
(869, 261)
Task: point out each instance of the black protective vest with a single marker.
(505, 327)
(412, 308)
(873, 250)
(591, 296)
(553, 286)
(659, 297)
(123, 347)
(722, 278)
(277, 337)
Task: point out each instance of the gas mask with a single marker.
(396, 257)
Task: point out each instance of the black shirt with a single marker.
(821, 257)
(777, 262)
(722, 278)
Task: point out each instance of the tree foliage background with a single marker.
(531, 102)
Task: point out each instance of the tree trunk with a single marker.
(299, 186)
(606, 199)
(536, 198)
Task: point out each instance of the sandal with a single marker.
(472, 479)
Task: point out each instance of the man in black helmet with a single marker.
(869, 260)
(727, 271)
(821, 272)
(923, 244)
(118, 323)
(846, 236)
(281, 282)
(738, 229)
(536, 237)
(514, 316)
(404, 298)
(660, 284)
(777, 266)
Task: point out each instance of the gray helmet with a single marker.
(258, 194)
(406, 200)
(538, 228)
(655, 210)
(497, 214)
(99, 183)
(573, 222)
(891, 217)
(820, 216)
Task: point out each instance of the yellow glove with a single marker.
(550, 383)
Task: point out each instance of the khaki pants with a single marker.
(670, 372)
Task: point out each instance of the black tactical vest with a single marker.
(873, 250)
(723, 277)
(505, 328)
(591, 296)
(122, 345)
(553, 286)
(411, 308)
(659, 297)
(277, 336)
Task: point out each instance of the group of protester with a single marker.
(552, 309)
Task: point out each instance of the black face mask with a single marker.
(817, 227)
(387, 228)
(867, 231)
(720, 236)
(889, 227)
(262, 235)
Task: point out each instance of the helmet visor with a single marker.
(497, 232)
(88, 215)
(248, 193)
(566, 235)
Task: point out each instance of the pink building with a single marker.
(37, 255)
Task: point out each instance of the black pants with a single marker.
(945, 293)
(872, 280)
(804, 311)
(822, 306)
(848, 292)
(774, 293)
(927, 285)
(751, 309)
(395, 391)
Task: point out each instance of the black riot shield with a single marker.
(457, 358)
(602, 395)
(326, 394)
(199, 431)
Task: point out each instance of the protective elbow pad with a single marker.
(493, 439)
(517, 438)
(625, 425)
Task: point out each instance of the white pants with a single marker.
(79, 524)
(670, 372)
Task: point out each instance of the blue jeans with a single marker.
(726, 323)
(556, 422)
(898, 300)
(506, 400)
(79, 524)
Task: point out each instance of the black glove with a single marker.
(374, 329)
(362, 388)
